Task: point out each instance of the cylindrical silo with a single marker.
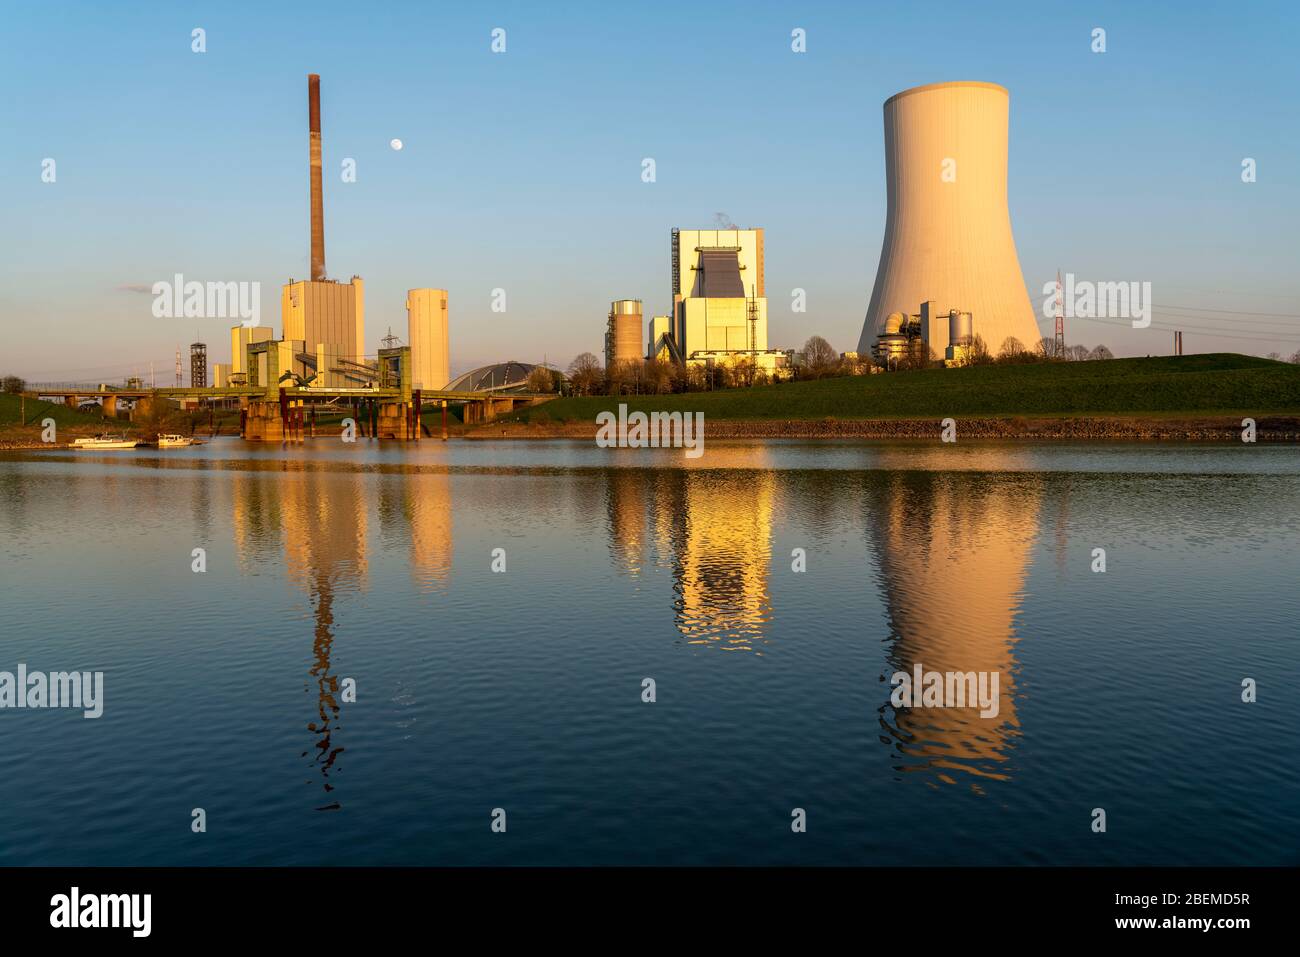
(623, 340)
(959, 328)
(948, 230)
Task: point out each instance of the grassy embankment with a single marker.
(14, 413)
(1198, 386)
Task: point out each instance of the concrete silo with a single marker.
(428, 336)
(948, 230)
(623, 332)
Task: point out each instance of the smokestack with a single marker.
(317, 200)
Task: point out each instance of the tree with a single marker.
(585, 374)
(659, 376)
(623, 377)
(1047, 347)
(159, 416)
(13, 385)
(1295, 357)
(1012, 348)
(1274, 356)
(1077, 353)
(1101, 352)
(819, 357)
(540, 379)
(979, 352)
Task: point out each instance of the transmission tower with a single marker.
(1058, 346)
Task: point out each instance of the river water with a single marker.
(334, 566)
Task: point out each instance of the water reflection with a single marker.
(953, 551)
(713, 529)
(415, 510)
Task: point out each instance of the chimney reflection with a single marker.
(953, 554)
(318, 519)
(324, 525)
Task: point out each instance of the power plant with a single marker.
(719, 307)
(323, 321)
(948, 241)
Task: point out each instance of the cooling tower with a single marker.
(948, 229)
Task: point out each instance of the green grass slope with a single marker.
(1217, 383)
(12, 409)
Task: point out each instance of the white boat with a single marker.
(174, 441)
(102, 442)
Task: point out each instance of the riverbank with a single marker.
(1193, 387)
(1275, 428)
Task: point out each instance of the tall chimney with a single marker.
(317, 200)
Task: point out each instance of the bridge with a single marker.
(287, 411)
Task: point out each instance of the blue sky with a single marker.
(522, 170)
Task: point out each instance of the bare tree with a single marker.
(586, 375)
(819, 357)
(1295, 357)
(1012, 348)
(1101, 352)
(13, 384)
(1077, 353)
(1047, 347)
(979, 352)
(1274, 356)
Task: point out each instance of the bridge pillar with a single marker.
(110, 406)
(263, 421)
(393, 420)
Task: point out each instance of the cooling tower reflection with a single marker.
(953, 552)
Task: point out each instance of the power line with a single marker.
(1162, 327)
(1235, 312)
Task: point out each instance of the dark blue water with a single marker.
(522, 690)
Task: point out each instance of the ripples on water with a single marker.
(522, 690)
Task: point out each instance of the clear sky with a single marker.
(522, 170)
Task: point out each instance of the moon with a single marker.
(395, 144)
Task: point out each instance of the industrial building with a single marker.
(659, 345)
(328, 317)
(922, 335)
(948, 241)
(719, 299)
(240, 337)
(323, 321)
(198, 365)
(427, 334)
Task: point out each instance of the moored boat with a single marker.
(102, 442)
